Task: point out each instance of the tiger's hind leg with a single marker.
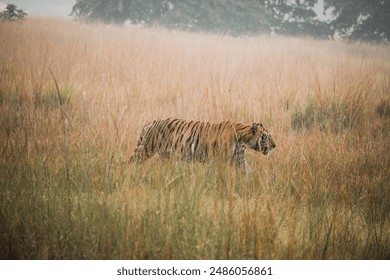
(137, 155)
(140, 153)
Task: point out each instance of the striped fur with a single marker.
(201, 141)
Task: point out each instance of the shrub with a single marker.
(324, 115)
(53, 99)
(383, 109)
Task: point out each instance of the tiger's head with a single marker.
(267, 143)
(261, 140)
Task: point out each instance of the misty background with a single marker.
(367, 20)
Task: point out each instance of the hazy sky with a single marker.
(55, 8)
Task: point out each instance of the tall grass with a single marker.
(74, 97)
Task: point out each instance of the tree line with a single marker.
(350, 19)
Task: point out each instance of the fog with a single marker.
(323, 19)
(62, 8)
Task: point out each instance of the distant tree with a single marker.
(297, 18)
(222, 16)
(352, 19)
(361, 19)
(11, 13)
(108, 11)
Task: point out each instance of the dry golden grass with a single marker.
(323, 193)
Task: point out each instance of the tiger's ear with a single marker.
(254, 128)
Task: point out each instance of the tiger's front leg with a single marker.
(238, 158)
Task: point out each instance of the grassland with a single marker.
(74, 97)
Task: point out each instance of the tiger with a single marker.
(201, 141)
